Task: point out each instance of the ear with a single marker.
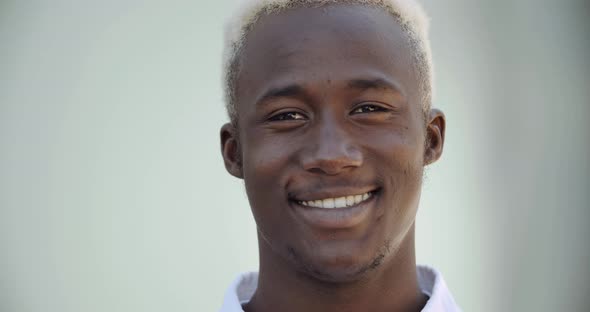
(435, 136)
(231, 151)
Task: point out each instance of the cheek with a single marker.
(265, 164)
(400, 148)
(399, 162)
(265, 158)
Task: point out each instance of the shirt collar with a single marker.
(430, 281)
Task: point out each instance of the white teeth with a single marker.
(340, 202)
(349, 200)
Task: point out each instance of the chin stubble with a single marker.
(311, 271)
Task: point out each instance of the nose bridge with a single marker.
(332, 138)
(333, 149)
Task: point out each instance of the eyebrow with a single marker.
(296, 90)
(377, 83)
(292, 90)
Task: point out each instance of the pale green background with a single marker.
(113, 196)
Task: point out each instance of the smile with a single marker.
(336, 209)
(337, 202)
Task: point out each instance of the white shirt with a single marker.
(430, 282)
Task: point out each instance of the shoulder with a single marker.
(240, 291)
(431, 283)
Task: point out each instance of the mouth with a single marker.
(337, 202)
(336, 210)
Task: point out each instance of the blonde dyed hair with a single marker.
(408, 13)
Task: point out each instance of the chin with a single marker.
(339, 269)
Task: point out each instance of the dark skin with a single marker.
(329, 106)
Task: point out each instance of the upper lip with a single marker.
(330, 193)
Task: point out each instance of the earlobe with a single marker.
(231, 151)
(435, 136)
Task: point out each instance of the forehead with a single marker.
(316, 45)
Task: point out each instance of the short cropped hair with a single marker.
(408, 13)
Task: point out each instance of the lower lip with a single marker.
(335, 218)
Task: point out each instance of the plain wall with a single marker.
(113, 195)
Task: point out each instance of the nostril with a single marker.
(315, 170)
(332, 166)
(331, 151)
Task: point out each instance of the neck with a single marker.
(392, 286)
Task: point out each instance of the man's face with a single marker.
(331, 137)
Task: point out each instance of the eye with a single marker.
(369, 108)
(287, 116)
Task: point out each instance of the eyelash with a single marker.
(290, 116)
(282, 116)
(374, 109)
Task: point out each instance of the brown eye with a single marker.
(287, 116)
(368, 108)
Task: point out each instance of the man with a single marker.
(330, 127)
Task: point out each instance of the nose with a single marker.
(331, 150)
